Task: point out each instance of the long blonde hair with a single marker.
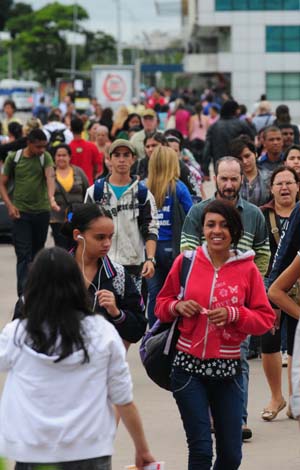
(163, 171)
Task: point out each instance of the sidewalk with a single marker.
(274, 446)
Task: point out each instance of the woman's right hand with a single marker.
(187, 308)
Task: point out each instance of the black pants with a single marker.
(100, 463)
(29, 237)
(59, 238)
(271, 343)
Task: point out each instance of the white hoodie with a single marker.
(57, 412)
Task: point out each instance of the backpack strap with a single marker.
(186, 269)
(142, 193)
(17, 156)
(274, 228)
(98, 189)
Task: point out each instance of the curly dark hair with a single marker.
(230, 214)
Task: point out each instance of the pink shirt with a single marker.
(182, 117)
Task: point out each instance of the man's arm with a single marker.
(261, 244)
(13, 211)
(207, 153)
(191, 230)
(50, 181)
(148, 225)
(149, 267)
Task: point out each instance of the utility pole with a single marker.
(119, 33)
(73, 49)
(9, 62)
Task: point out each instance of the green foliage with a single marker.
(6, 6)
(100, 48)
(2, 464)
(39, 40)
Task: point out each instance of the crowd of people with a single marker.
(124, 193)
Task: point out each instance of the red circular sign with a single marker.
(114, 87)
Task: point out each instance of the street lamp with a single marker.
(73, 49)
(119, 33)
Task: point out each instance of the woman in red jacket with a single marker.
(224, 301)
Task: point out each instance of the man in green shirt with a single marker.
(34, 184)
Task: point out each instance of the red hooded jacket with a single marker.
(237, 286)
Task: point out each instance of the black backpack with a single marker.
(57, 137)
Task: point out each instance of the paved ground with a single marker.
(275, 446)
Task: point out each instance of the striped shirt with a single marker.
(255, 234)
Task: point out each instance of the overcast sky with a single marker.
(138, 16)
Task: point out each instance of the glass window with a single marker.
(283, 86)
(259, 5)
(272, 5)
(223, 5)
(283, 39)
(291, 4)
(255, 5)
(240, 4)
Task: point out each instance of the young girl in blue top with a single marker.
(173, 202)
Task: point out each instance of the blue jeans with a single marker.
(29, 237)
(245, 374)
(194, 397)
(164, 260)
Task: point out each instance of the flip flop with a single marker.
(269, 415)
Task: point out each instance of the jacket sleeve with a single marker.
(289, 244)
(256, 317)
(89, 195)
(191, 230)
(261, 244)
(207, 152)
(132, 323)
(84, 181)
(296, 374)
(148, 219)
(8, 349)
(168, 296)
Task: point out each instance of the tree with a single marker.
(40, 38)
(4, 12)
(100, 48)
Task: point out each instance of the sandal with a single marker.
(269, 415)
(289, 413)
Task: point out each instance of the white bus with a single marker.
(21, 91)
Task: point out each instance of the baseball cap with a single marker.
(149, 112)
(121, 143)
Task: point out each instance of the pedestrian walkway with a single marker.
(274, 445)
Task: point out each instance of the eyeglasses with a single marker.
(280, 184)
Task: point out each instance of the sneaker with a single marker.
(284, 359)
(246, 432)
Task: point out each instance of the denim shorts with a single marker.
(99, 463)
